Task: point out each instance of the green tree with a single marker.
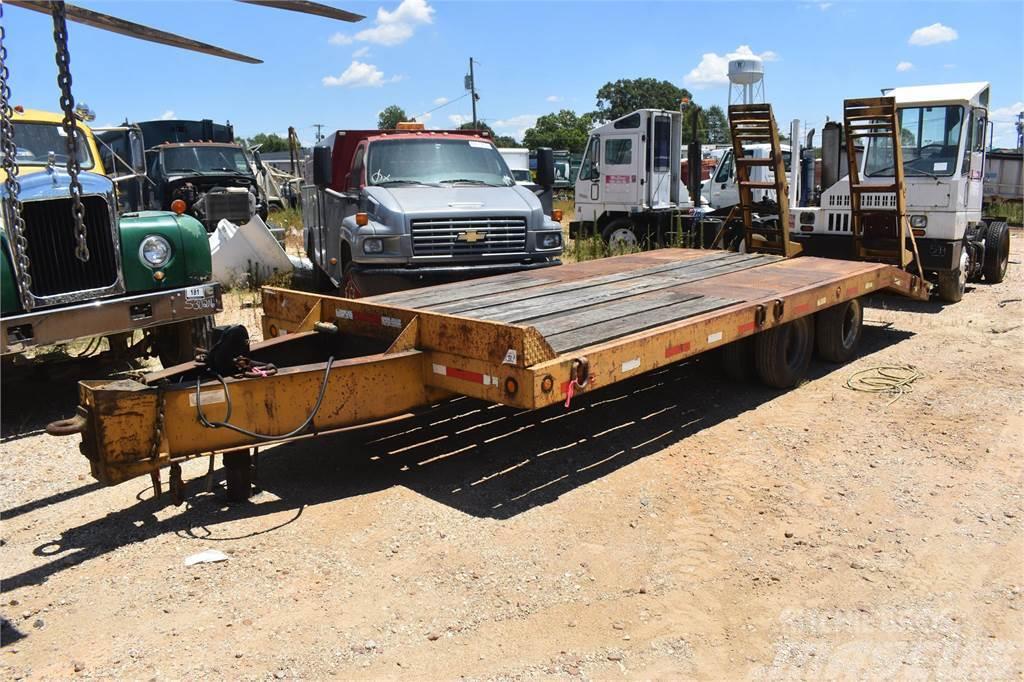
(615, 100)
(564, 130)
(505, 141)
(717, 126)
(269, 142)
(391, 117)
(499, 140)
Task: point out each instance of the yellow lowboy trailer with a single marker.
(527, 340)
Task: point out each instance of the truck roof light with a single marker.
(409, 125)
(178, 206)
(362, 219)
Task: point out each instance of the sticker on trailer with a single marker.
(869, 285)
(207, 397)
(619, 179)
(715, 338)
(198, 292)
(630, 365)
(342, 314)
(822, 301)
(510, 357)
(390, 322)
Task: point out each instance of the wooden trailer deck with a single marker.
(528, 340)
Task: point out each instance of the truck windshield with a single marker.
(205, 159)
(434, 161)
(35, 141)
(930, 140)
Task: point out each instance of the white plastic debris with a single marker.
(247, 254)
(209, 556)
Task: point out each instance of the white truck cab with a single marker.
(720, 190)
(629, 179)
(944, 130)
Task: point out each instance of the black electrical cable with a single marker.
(252, 434)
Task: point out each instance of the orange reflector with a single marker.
(807, 228)
(362, 219)
(556, 215)
(158, 275)
(334, 261)
(179, 206)
(547, 383)
(273, 330)
(20, 109)
(511, 386)
(918, 232)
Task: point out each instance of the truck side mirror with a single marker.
(137, 152)
(321, 166)
(545, 167)
(259, 162)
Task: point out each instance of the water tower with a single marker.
(746, 80)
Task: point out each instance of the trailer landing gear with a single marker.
(238, 470)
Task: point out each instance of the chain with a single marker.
(158, 425)
(11, 184)
(70, 125)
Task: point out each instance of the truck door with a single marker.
(588, 182)
(621, 171)
(974, 158)
(660, 162)
(723, 186)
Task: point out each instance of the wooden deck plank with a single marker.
(612, 329)
(557, 323)
(464, 307)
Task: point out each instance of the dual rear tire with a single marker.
(780, 356)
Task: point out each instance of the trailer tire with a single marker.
(783, 354)
(621, 234)
(737, 359)
(838, 330)
(997, 252)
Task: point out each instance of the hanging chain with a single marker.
(11, 184)
(158, 426)
(70, 125)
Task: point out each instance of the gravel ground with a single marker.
(673, 526)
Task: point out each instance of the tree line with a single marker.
(566, 129)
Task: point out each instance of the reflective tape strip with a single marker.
(802, 308)
(630, 365)
(677, 349)
(715, 338)
(370, 318)
(390, 321)
(746, 327)
(869, 285)
(343, 314)
(465, 375)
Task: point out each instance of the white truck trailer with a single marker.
(518, 161)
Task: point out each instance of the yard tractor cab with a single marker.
(721, 191)
(628, 187)
(925, 192)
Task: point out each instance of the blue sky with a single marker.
(534, 58)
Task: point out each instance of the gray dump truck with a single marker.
(390, 210)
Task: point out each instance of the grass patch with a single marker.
(291, 220)
(1010, 211)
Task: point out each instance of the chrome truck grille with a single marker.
(50, 232)
(469, 236)
(232, 205)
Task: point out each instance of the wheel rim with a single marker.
(1004, 250)
(622, 238)
(961, 277)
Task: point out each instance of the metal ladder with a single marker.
(876, 236)
(755, 124)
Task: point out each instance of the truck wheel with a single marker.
(737, 360)
(838, 330)
(782, 354)
(997, 252)
(176, 343)
(620, 235)
(953, 284)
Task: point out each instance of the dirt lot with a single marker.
(675, 526)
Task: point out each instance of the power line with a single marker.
(441, 106)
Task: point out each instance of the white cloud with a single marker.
(823, 6)
(459, 119)
(714, 68)
(947, 67)
(553, 98)
(359, 75)
(424, 118)
(393, 28)
(933, 35)
(361, 52)
(168, 115)
(904, 66)
(1004, 127)
(441, 100)
(515, 126)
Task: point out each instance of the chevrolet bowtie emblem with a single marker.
(472, 236)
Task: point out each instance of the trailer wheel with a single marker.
(620, 235)
(737, 360)
(997, 252)
(838, 330)
(782, 354)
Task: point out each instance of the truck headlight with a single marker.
(373, 246)
(550, 240)
(155, 251)
(919, 221)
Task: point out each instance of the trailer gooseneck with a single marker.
(527, 340)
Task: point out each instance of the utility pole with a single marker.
(318, 126)
(472, 90)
